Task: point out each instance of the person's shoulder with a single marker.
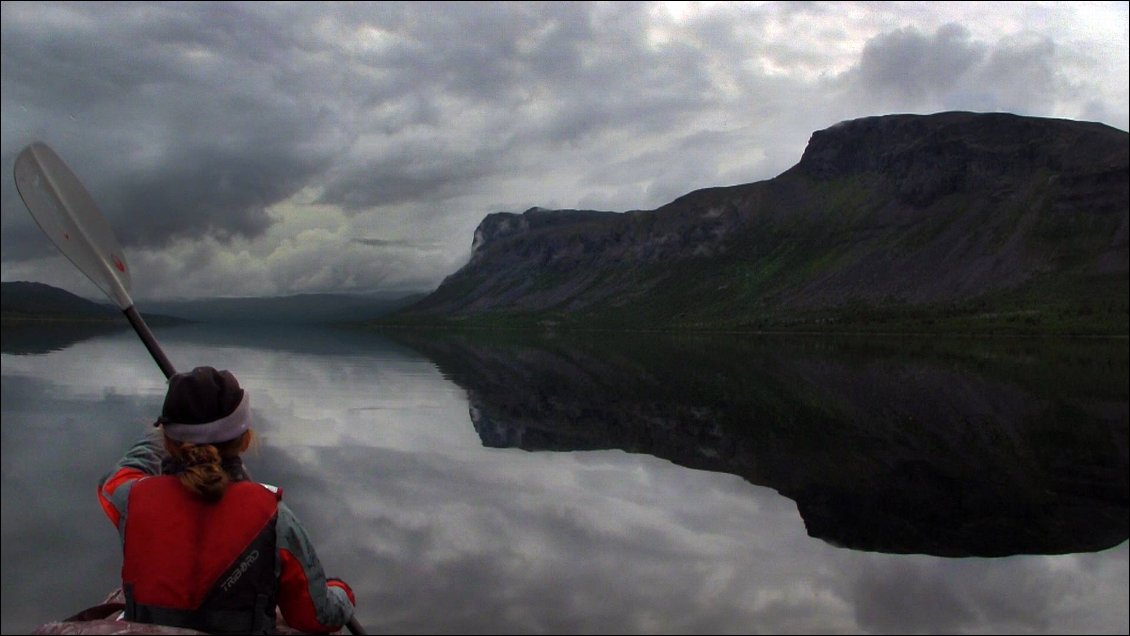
(260, 488)
(274, 490)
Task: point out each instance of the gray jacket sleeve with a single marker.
(307, 601)
(145, 455)
(142, 459)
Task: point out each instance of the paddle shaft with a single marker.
(150, 342)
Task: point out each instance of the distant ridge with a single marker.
(36, 301)
(296, 309)
(982, 222)
(29, 301)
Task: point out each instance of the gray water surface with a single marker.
(616, 483)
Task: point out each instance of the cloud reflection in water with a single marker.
(375, 450)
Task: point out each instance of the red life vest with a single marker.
(200, 565)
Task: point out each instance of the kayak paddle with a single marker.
(66, 212)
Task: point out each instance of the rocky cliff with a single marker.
(901, 220)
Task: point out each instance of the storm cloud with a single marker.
(262, 148)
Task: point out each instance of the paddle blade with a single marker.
(66, 212)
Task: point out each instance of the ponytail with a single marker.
(204, 473)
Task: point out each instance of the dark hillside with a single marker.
(36, 301)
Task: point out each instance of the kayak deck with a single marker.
(103, 619)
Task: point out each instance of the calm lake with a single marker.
(619, 483)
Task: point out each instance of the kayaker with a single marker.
(204, 547)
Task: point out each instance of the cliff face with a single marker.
(503, 225)
(904, 211)
(927, 158)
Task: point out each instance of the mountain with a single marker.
(28, 302)
(36, 301)
(953, 221)
(24, 301)
(301, 308)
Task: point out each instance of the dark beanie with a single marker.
(200, 396)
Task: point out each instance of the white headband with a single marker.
(224, 429)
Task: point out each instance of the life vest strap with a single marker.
(212, 621)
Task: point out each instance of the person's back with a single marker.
(201, 542)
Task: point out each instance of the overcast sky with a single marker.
(261, 149)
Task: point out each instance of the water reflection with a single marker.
(375, 450)
(959, 448)
(39, 338)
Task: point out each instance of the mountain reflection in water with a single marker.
(970, 447)
(35, 338)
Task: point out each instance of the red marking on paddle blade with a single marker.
(118, 263)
